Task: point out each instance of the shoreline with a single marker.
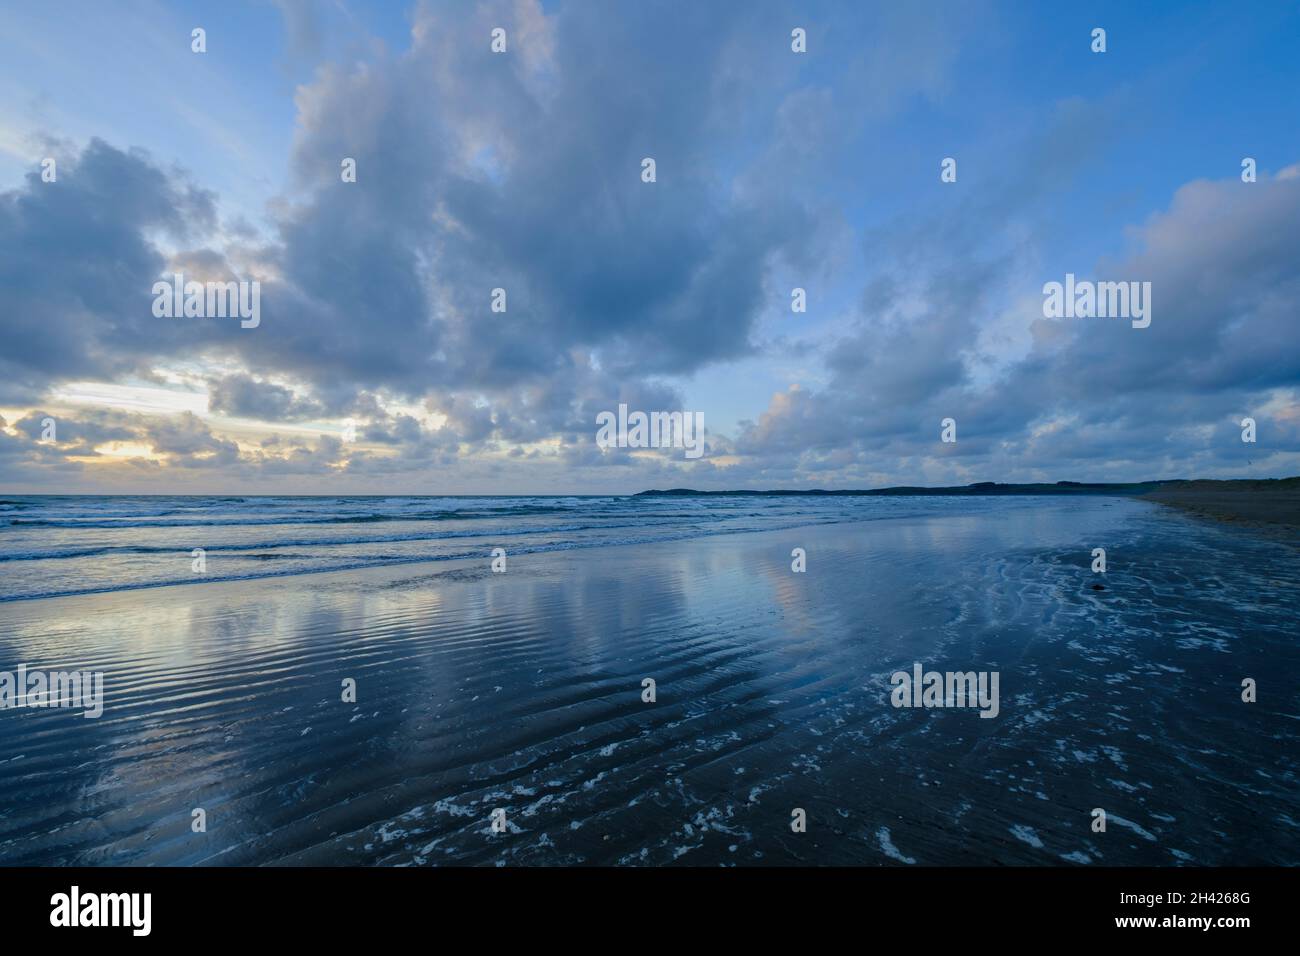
(1267, 507)
(1269, 504)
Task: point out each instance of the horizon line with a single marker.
(678, 491)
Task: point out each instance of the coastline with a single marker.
(1270, 503)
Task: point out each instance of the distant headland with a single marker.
(1255, 501)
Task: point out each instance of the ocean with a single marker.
(55, 545)
(502, 719)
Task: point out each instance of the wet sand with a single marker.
(522, 692)
(1268, 504)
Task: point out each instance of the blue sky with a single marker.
(521, 170)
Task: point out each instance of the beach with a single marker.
(522, 692)
(1272, 504)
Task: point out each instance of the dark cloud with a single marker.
(478, 172)
(244, 396)
(77, 266)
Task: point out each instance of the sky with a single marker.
(377, 364)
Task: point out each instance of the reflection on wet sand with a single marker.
(522, 691)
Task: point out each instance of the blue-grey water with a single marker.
(522, 691)
(59, 545)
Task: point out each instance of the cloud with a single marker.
(478, 172)
(522, 172)
(244, 396)
(1094, 398)
(77, 261)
